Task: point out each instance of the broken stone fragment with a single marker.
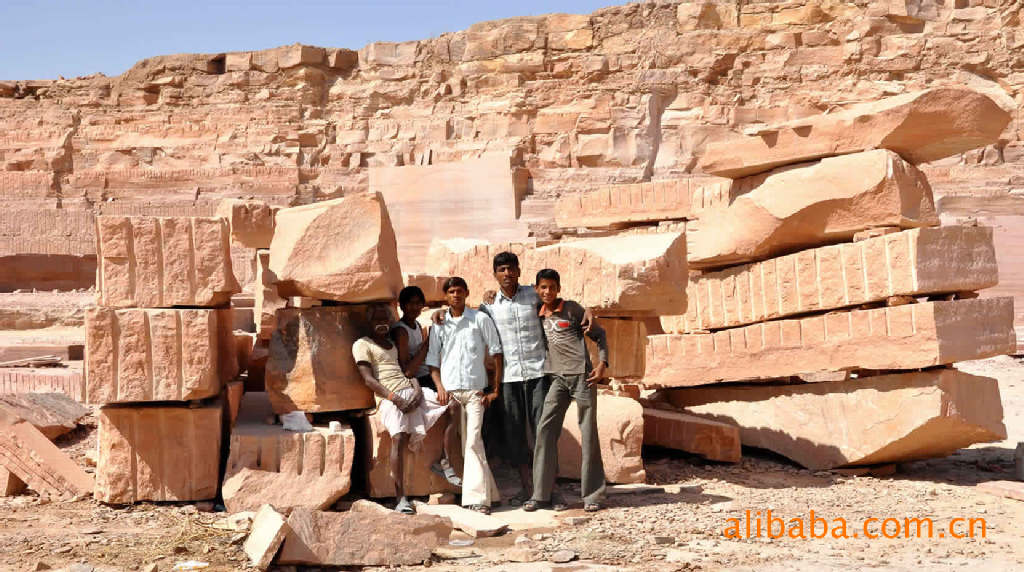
(251, 222)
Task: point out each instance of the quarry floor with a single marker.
(679, 527)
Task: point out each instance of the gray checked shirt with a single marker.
(458, 346)
(522, 335)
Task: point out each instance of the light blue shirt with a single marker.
(458, 347)
(522, 335)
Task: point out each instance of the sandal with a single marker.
(443, 468)
(532, 505)
(591, 507)
(404, 506)
(558, 503)
(481, 508)
(521, 497)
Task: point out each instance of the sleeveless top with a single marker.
(415, 341)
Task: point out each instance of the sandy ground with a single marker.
(678, 527)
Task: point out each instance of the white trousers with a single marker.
(478, 486)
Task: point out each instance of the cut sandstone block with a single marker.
(265, 538)
(267, 301)
(900, 337)
(367, 535)
(909, 263)
(863, 421)
(269, 465)
(620, 430)
(251, 222)
(626, 340)
(419, 479)
(36, 461)
(813, 205)
(139, 355)
(342, 250)
(159, 262)
(311, 367)
(158, 453)
(921, 127)
(674, 429)
(53, 414)
(618, 205)
(627, 274)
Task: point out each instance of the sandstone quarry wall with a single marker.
(627, 94)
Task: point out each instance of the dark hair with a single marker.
(454, 281)
(503, 258)
(409, 293)
(549, 274)
(372, 310)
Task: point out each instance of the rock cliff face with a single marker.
(627, 94)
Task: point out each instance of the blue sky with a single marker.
(41, 40)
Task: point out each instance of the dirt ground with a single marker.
(680, 526)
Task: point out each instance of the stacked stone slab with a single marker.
(839, 265)
(159, 344)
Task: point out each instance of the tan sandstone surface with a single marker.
(900, 417)
(807, 206)
(910, 263)
(903, 337)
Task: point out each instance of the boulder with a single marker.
(863, 421)
(627, 274)
(269, 465)
(367, 535)
(251, 222)
(53, 414)
(160, 262)
(910, 263)
(921, 127)
(158, 453)
(311, 367)
(620, 430)
(910, 336)
(812, 205)
(342, 249)
(139, 355)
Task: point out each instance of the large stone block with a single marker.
(158, 453)
(921, 127)
(673, 429)
(909, 263)
(267, 300)
(367, 535)
(813, 205)
(864, 421)
(32, 459)
(620, 205)
(343, 250)
(420, 201)
(141, 355)
(159, 262)
(627, 274)
(251, 222)
(620, 430)
(311, 367)
(419, 479)
(900, 337)
(285, 469)
(626, 340)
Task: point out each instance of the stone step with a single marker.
(909, 263)
(159, 262)
(865, 421)
(900, 337)
(158, 453)
(139, 355)
(921, 126)
(811, 205)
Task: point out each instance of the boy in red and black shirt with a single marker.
(572, 378)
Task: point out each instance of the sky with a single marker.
(70, 38)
